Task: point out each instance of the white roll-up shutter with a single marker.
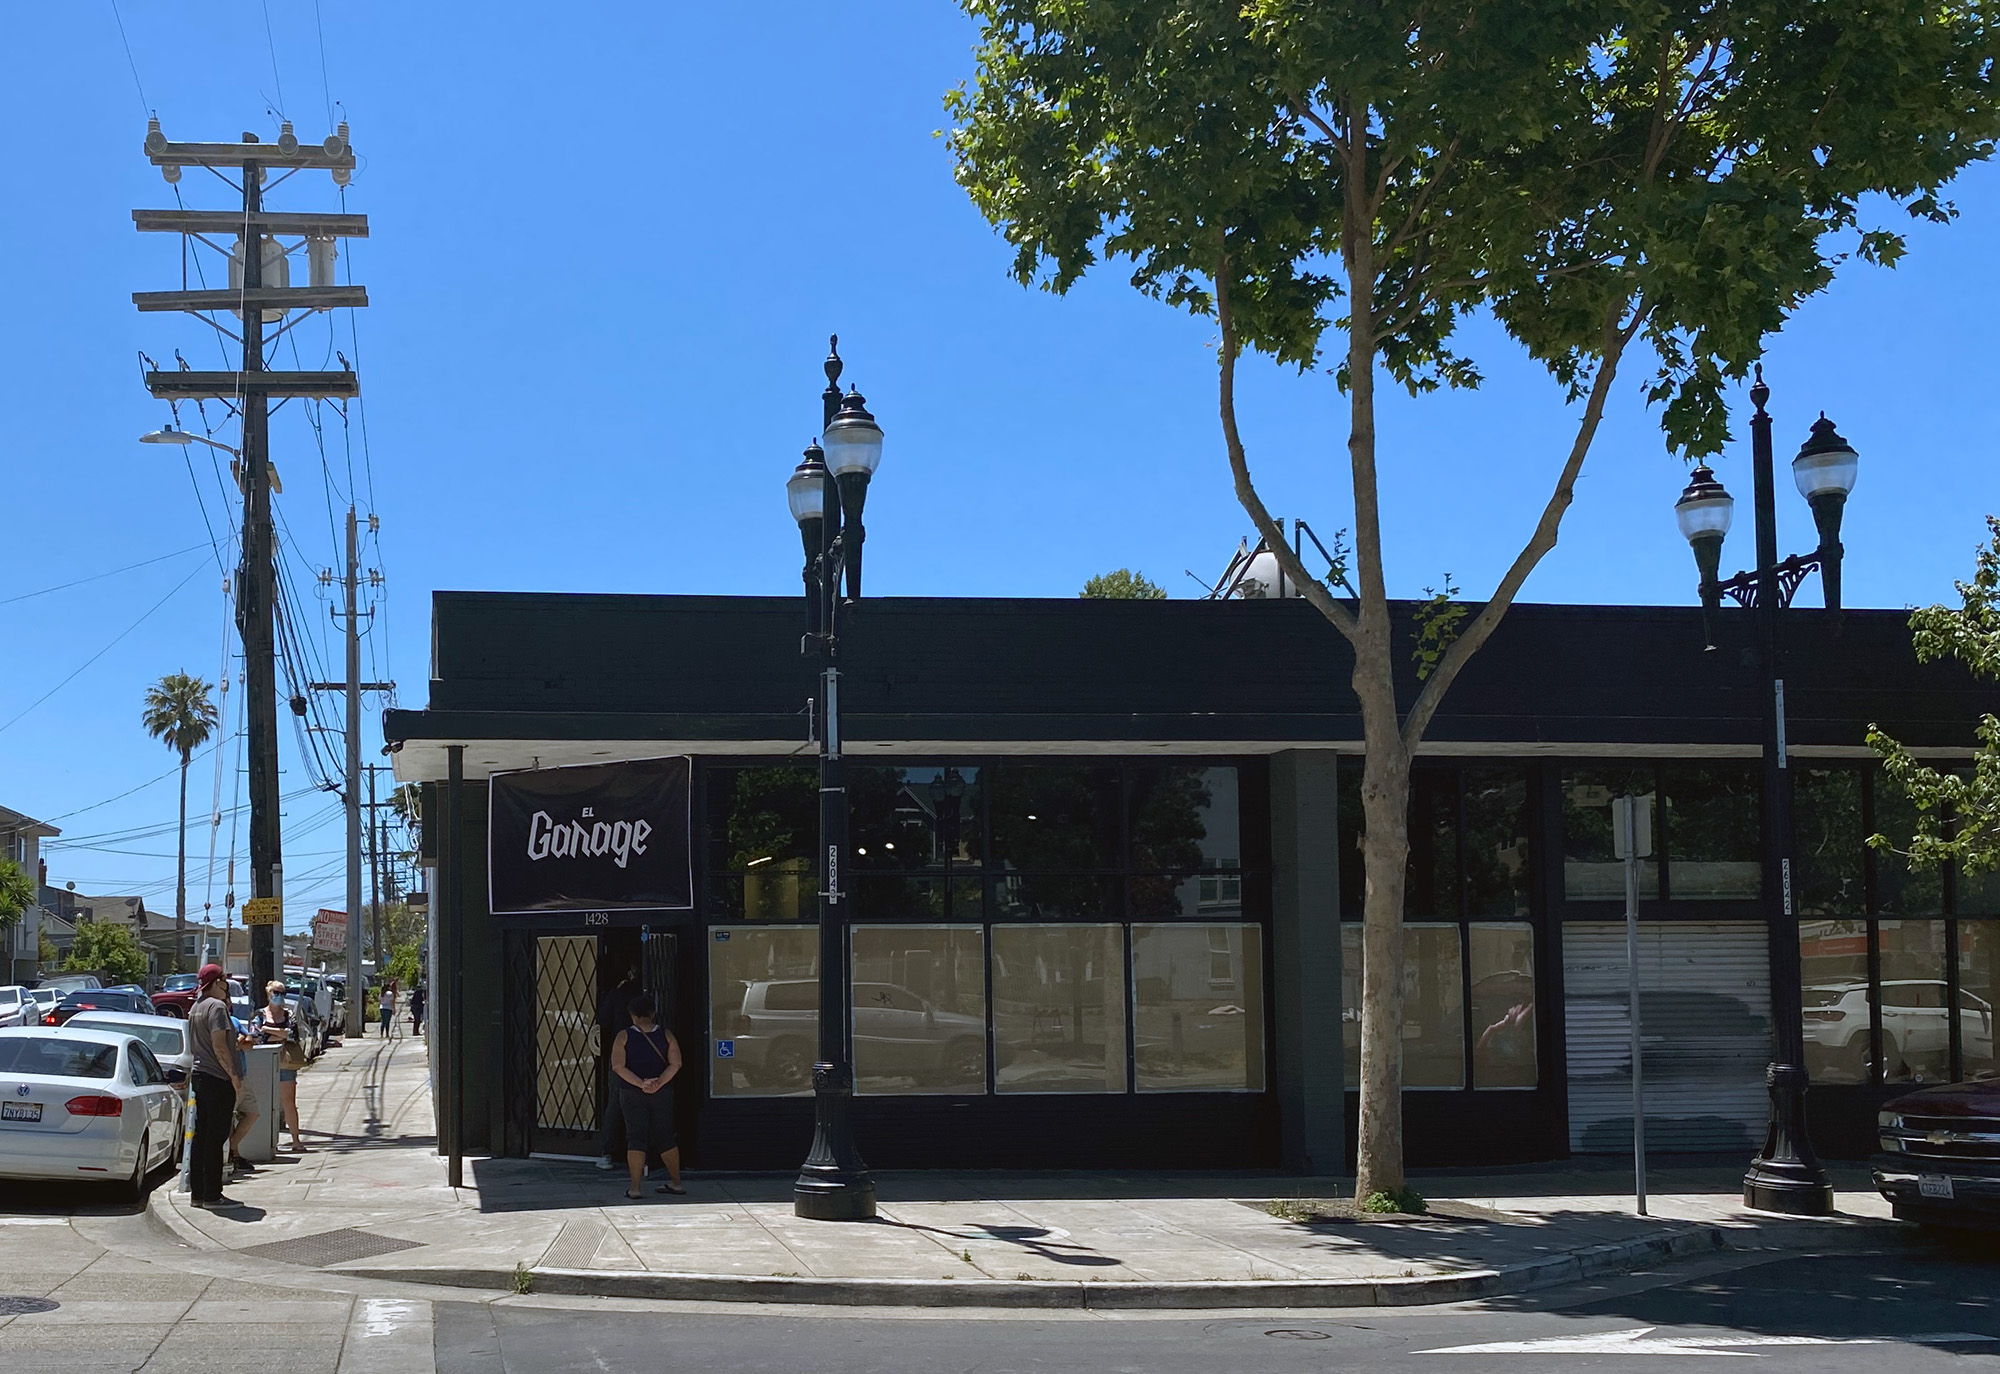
(1705, 1000)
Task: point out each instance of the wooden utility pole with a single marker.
(248, 392)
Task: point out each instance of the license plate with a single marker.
(20, 1111)
(1933, 1185)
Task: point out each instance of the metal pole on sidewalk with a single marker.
(455, 854)
(1630, 822)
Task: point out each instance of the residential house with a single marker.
(21, 840)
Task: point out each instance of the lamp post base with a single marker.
(833, 1184)
(1787, 1177)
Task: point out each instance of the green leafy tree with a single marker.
(1957, 813)
(107, 949)
(17, 893)
(179, 714)
(46, 953)
(406, 966)
(1593, 175)
(1123, 585)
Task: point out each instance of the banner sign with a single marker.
(329, 931)
(600, 837)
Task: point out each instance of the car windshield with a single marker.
(168, 1040)
(178, 982)
(57, 1058)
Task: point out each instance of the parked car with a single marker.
(1916, 1024)
(84, 1104)
(179, 993)
(776, 1035)
(1940, 1157)
(165, 1036)
(16, 1006)
(70, 982)
(45, 1000)
(97, 999)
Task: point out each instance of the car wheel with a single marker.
(789, 1065)
(133, 1189)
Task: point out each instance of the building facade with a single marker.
(1106, 882)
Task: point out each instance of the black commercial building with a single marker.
(1106, 884)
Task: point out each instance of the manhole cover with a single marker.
(1293, 1334)
(12, 1305)
(331, 1247)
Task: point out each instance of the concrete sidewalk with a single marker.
(370, 1199)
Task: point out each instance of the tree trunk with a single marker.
(181, 878)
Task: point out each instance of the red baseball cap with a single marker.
(209, 974)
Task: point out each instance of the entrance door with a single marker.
(566, 1049)
(1705, 1008)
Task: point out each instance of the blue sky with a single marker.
(609, 243)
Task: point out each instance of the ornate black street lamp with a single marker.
(1786, 1176)
(826, 493)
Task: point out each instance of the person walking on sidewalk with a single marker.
(279, 1027)
(417, 1000)
(212, 1041)
(388, 1007)
(614, 1013)
(646, 1057)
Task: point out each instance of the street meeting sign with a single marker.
(600, 837)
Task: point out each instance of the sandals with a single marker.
(634, 1197)
(673, 1188)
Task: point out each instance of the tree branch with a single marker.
(1616, 336)
(1239, 466)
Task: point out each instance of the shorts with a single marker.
(649, 1119)
(288, 1075)
(246, 1101)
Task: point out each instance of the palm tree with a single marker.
(179, 714)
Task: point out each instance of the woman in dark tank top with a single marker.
(645, 1059)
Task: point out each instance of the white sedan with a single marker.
(86, 1103)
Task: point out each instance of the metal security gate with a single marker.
(1705, 1008)
(565, 1012)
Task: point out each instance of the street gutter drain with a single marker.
(1295, 1334)
(330, 1247)
(12, 1305)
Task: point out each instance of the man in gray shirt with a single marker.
(212, 1042)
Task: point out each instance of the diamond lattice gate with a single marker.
(553, 1050)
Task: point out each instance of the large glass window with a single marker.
(1712, 822)
(1496, 842)
(763, 994)
(1592, 871)
(1833, 964)
(1826, 824)
(1503, 1005)
(1055, 897)
(1900, 889)
(762, 824)
(1432, 886)
(1978, 996)
(1916, 1024)
(1055, 817)
(919, 1009)
(1433, 1005)
(1059, 1008)
(1198, 1008)
(914, 818)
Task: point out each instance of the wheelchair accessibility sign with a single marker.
(725, 1049)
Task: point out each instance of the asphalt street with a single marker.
(1938, 1309)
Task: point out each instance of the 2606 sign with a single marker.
(598, 838)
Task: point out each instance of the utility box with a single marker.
(260, 1075)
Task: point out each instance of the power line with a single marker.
(98, 577)
(145, 106)
(127, 792)
(272, 41)
(99, 654)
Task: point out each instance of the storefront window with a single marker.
(1826, 821)
(919, 1009)
(1433, 873)
(1916, 1025)
(1496, 842)
(1713, 828)
(914, 818)
(762, 826)
(1350, 1002)
(763, 993)
(1055, 818)
(1901, 890)
(1054, 897)
(1503, 1005)
(878, 898)
(1592, 871)
(1978, 996)
(1833, 963)
(1059, 1008)
(1206, 896)
(1184, 819)
(1433, 1008)
(1198, 1008)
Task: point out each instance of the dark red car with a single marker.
(98, 999)
(1940, 1158)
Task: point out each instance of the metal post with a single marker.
(1632, 861)
(357, 1020)
(1786, 1176)
(255, 607)
(375, 867)
(455, 1052)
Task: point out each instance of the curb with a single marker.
(1584, 1263)
(162, 1216)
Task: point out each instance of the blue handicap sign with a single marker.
(725, 1049)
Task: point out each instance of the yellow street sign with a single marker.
(264, 911)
